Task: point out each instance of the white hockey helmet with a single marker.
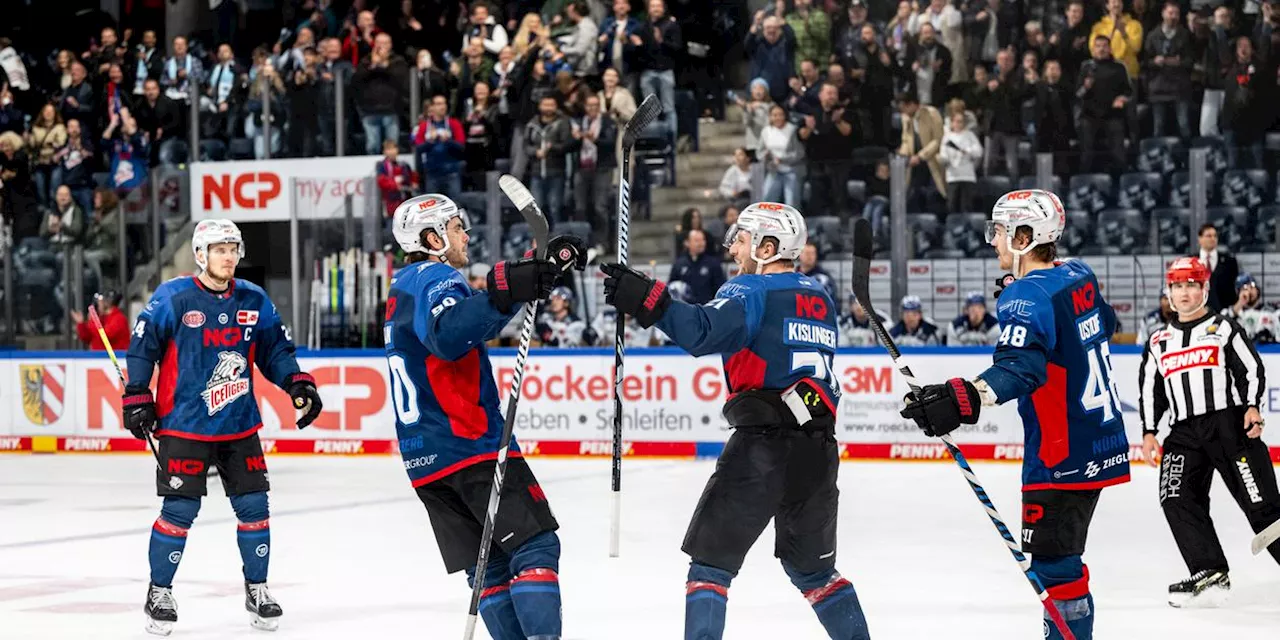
(211, 232)
(771, 220)
(1037, 209)
(430, 211)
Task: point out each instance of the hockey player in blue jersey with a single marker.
(448, 413)
(975, 326)
(206, 333)
(776, 330)
(913, 329)
(1054, 357)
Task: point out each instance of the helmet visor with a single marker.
(992, 230)
(465, 219)
(730, 235)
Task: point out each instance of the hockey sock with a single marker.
(1067, 580)
(706, 596)
(253, 534)
(496, 608)
(834, 600)
(169, 537)
(535, 590)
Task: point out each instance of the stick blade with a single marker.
(1266, 538)
(517, 193)
(529, 210)
(645, 114)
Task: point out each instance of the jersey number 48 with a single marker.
(1100, 390)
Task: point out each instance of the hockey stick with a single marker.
(650, 109)
(519, 196)
(111, 353)
(862, 250)
(1266, 538)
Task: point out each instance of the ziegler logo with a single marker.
(226, 383)
(1195, 357)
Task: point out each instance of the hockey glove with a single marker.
(139, 408)
(568, 252)
(940, 409)
(512, 283)
(635, 294)
(302, 388)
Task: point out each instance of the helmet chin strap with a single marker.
(1204, 300)
(1017, 255)
(755, 254)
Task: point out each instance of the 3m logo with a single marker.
(185, 467)
(867, 380)
(811, 307)
(246, 191)
(1203, 356)
(1083, 298)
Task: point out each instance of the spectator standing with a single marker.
(73, 165)
(379, 83)
(485, 29)
(295, 57)
(844, 89)
(360, 39)
(440, 144)
(113, 321)
(579, 47)
(547, 140)
(755, 113)
(109, 51)
(782, 155)
(409, 32)
(304, 97)
(396, 180)
(949, 24)
(158, 115)
(474, 67)
(17, 198)
(1169, 58)
(873, 68)
(111, 96)
(11, 117)
(102, 238)
(500, 79)
(1266, 34)
(617, 49)
(931, 64)
(1008, 91)
(482, 135)
(332, 70)
(771, 47)
(434, 81)
(848, 32)
(62, 68)
(1070, 44)
(531, 35)
(595, 139)
(1124, 33)
(66, 224)
(221, 97)
(702, 270)
(47, 135)
(78, 99)
(1054, 115)
(805, 88)
(736, 183)
(811, 28)
(615, 99)
(828, 144)
(180, 71)
(265, 101)
(1248, 108)
(897, 32)
(1223, 268)
(1103, 93)
(146, 64)
(1218, 59)
(128, 148)
(661, 43)
(959, 156)
(922, 133)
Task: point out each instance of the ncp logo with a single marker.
(245, 191)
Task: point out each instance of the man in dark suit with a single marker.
(1223, 269)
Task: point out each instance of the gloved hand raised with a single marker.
(635, 294)
(520, 281)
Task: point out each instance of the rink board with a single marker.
(70, 402)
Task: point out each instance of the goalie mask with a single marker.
(429, 212)
(771, 220)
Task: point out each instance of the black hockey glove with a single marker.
(512, 283)
(302, 388)
(1002, 282)
(942, 408)
(139, 408)
(568, 252)
(635, 294)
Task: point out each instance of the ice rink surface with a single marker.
(353, 556)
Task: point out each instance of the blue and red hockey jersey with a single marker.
(448, 413)
(772, 330)
(206, 344)
(1054, 356)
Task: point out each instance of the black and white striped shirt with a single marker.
(1195, 368)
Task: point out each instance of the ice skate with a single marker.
(161, 610)
(264, 613)
(1204, 589)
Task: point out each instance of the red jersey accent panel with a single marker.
(168, 382)
(1050, 402)
(745, 371)
(456, 386)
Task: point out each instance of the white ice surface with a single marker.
(353, 556)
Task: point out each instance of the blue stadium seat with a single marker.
(1090, 192)
(989, 189)
(174, 151)
(240, 149)
(1161, 155)
(1141, 191)
(1029, 182)
(213, 150)
(1180, 189)
(518, 240)
(1120, 231)
(1075, 236)
(1173, 231)
(1232, 224)
(857, 190)
(1217, 160)
(865, 159)
(1263, 237)
(964, 232)
(478, 245)
(826, 233)
(1243, 188)
(924, 231)
(476, 205)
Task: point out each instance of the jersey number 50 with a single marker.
(1100, 390)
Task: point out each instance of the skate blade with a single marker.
(263, 624)
(1208, 599)
(159, 627)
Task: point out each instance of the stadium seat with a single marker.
(825, 232)
(1180, 189)
(965, 232)
(1232, 223)
(1029, 182)
(1173, 231)
(478, 245)
(1089, 192)
(1141, 191)
(583, 230)
(476, 205)
(989, 190)
(857, 190)
(1217, 159)
(1263, 237)
(1272, 148)
(174, 151)
(213, 150)
(1120, 231)
(924, 231)
(240, 149)
(1075, 236)
(1243, 188)
(865, 159)
(518, 240)
(1161, 155)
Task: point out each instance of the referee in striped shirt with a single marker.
(1202, 371)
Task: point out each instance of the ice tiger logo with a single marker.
(226, 383)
